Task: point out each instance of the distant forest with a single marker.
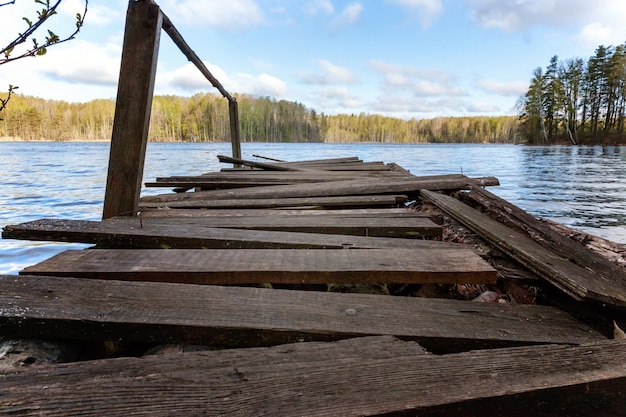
(204, 118)
(572, 101)
(576, 101)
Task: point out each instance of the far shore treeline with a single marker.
(204, 118)
(572, 101)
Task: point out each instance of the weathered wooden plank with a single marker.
(542, 233)
(153, 233)
(411, 227)
(304, 211)
(39, 307)
(132, 109)
(292, 380)
(291, 177)
(366, 186)
(284, 266)
(207, 184)
(314, 161)
(254, 164)
(343, 201)
(580, 283)
(308, 165)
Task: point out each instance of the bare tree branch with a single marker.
(5, 101)
(51, 39)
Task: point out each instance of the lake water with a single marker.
(582, 187)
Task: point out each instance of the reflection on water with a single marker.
(582, 187)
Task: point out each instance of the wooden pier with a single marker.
(335, 287)
(310, 306)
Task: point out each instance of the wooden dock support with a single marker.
(132, 109)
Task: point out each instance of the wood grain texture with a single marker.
(284, 266)
(293, 380)
(156, 234)
(247, 203)
(542, 232)
(366, 186)
(87, 309)
(578, 282)
(132, 109)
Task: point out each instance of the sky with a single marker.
(400, 58)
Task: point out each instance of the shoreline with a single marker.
(19, 139)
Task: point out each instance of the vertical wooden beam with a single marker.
(132, 108)
(233, 110)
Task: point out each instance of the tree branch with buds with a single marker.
(38, 48)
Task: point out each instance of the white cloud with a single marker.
(319, 7)
(422, 82)
(190, 80)
(606, 26)
(407, 107)
(97, 14)
(231, 14)
(84, 63)
(482, 108)
(425, 10)
(335, 99)
(513, 15)
(511, 88)
(330, 74)
(517, 15)
(348, 16)
(260, 85)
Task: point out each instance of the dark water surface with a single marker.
(582, 187)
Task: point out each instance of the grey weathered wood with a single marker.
(403, 227)
(235, 141)
(132, 109)
(284, 266)
(580, 283)
(297, 211)
(343, 201)
(542, 233)
(366, 186)
(86, 309)
(254, 164)
(249, 178)
(152, 233)
(293, 380)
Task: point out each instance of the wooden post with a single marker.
(132, 109)
(233, 110)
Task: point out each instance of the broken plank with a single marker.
(254, 164)
(542, 233)
(580, 283)
(401, 227)
(135, 233)
(411, 227)
(279, 266)
(315, 161)
(342, 201)
(366, 186)
(285, 211)
(293, 380)
(37, 307)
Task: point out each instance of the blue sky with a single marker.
(401, 58)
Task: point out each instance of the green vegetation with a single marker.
(204, 118)
(577, 102)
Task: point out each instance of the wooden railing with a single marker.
(144, 22)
